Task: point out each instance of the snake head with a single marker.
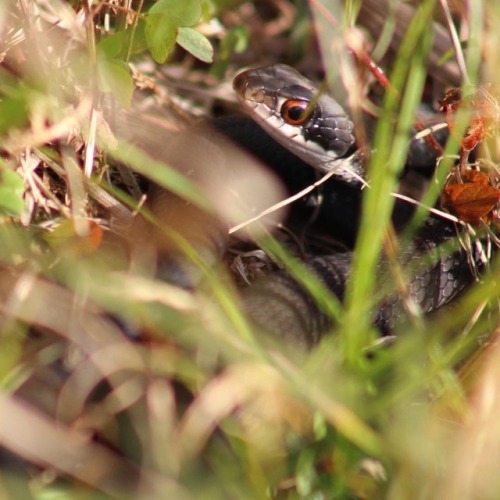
(290, 108)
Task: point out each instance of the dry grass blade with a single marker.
(476, 447)
(32, 436)
(230, 392)
(49, 306)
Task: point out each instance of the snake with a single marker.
(301, 132)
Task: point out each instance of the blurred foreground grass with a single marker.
(197, 408)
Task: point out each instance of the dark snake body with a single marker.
(279, 305)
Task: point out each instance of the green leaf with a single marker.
(111, 46)
(181, 12)
(215, 7)
(11, 192)
(196, 44)
(13, 113)
(115, 77)
(235, 41)
(161, 33)
(135, 40)
(163, 21)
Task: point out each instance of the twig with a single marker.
(455, 40)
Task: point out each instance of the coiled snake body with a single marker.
(318, 136)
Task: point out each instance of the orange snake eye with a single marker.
(295, 111)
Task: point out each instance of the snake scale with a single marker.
(299, 132)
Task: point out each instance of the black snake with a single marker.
(310, 129)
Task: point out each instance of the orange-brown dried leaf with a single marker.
(481, 106)
(64, 238)
(94, 238)
(473, 200)
(451, 100)
(474, 134)
(476, 177)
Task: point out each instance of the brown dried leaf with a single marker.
(473, 200)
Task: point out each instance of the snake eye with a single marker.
(295, 111)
